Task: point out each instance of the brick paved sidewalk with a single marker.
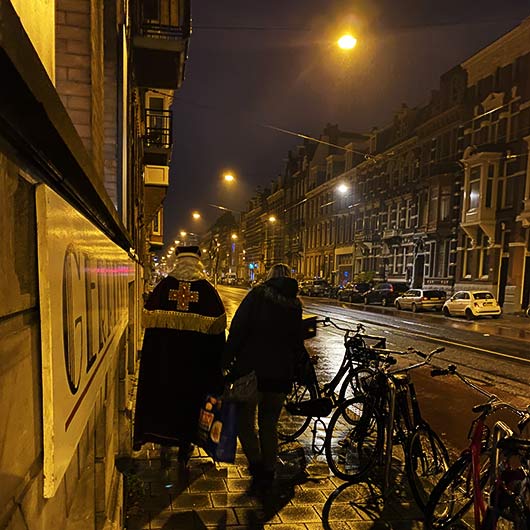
(213, 496)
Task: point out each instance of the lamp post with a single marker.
(269, 242)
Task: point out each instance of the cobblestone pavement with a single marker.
(213, 495)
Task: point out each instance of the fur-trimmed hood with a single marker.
(281, 291)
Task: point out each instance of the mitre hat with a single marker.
(190, 251)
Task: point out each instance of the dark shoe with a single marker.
(267, 481)
(185, 452)
(262, 484)
(165, 457)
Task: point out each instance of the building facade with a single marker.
(438, 198)
(76, 212)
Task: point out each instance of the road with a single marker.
(485, 350)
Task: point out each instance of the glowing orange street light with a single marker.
(229, 177)
(196, 215)
(272, 219)
(347, 42)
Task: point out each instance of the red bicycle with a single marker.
(464, 483)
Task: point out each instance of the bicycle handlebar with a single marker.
(326, 321)
(493, 402)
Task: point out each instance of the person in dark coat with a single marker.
(181, 360)
(265, 336)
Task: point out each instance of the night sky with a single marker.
(253, 63)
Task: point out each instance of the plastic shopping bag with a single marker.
(217, 429)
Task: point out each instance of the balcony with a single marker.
(483, 218)
(391, 233)
(158, 137)
(156, 181)
(362, 236)
(160, 40)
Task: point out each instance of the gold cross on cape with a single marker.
(183, 296)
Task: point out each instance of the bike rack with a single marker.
(500, 431)
(389, 433)
(317, 450)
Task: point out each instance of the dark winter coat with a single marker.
(266, 335)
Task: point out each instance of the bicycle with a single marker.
(307, 400)
(465, 481)
(510, 493)
(388, 413)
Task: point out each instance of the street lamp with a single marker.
(347, 42)
(229, 177)
(196, 215)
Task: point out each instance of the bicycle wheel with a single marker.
(291, 426)
(452, 497)
(426, 461)
(354, 438)
(356, 383)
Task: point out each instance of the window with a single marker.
(483, 296)
(484, 255)
(433, 205)
(489, 186)
(156, 224)
(445, 204)
(466, 266)
(408, 213)
(474, 188)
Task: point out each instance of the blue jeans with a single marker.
(260, 446)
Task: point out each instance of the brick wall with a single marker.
(79, 69)
(110, 122)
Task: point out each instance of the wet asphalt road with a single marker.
(493, 354)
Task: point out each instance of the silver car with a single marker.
(421, 300)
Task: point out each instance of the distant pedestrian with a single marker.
(266, 336)
(181, 361)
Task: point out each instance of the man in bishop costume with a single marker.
(184, 320)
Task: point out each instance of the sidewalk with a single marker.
(213, 496)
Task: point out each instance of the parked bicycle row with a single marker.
(370, 405)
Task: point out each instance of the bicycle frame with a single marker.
(403, 408)
(348, 364)
(479, 444)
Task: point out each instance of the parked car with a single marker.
(421, 300)
(353, 292)
(472, 304)
(334, 291)
(385, 293)
(315, 287)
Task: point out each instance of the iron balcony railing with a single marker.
(164, 19)
(158, 128)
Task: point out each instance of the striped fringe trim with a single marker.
(159, 318)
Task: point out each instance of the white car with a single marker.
(472, 304)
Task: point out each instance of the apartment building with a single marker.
(439, 197)
(494, 244)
